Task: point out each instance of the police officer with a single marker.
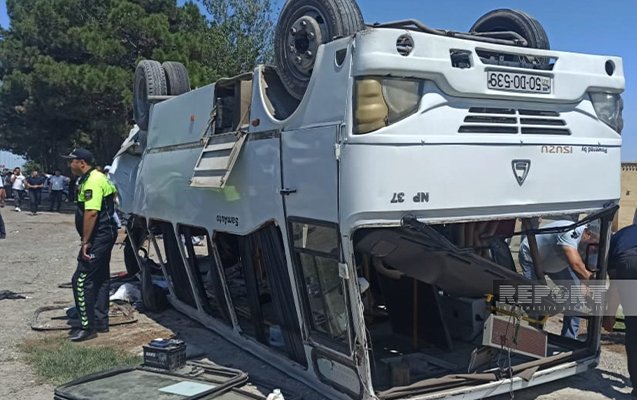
(97, 229)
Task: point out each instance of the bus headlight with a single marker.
(379, 102)
(609, 107)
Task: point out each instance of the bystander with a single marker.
(6, 181)
(56, 189)
(3, 192)
(3, 232)
(18, 187)
(35, 183)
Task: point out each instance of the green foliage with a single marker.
(247, 28)
(57, 360)
(67, 65)
(30, 166)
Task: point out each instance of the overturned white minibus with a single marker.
(358, 204)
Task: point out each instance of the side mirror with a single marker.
(591, 258)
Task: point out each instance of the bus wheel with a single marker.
(149, 81)
(505, 20)
(302, 27)
(177, 81)
(138, 233)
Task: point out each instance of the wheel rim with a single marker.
(304, 36)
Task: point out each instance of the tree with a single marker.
(67, 65)
(247, 28)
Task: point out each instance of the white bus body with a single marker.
(462, 155)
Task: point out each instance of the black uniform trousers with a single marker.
(55, 199)
(625, 266)
(91, 281)
(3, 232)
(35, 198)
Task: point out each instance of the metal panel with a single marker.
(310, 172)
(380, 183)
(163, 191)
(181, 119)
(505, 386)
(573, 74)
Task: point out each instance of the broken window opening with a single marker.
(175, 266)
(425, 309)
(228, 249)
(200, 258)
(257, 279)
(232, 104)
(316, 251)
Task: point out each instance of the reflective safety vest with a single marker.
(96, 192)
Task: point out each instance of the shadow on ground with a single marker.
(204, 343)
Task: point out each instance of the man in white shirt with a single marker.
(56, 188)
(18, 187)
(559, 256)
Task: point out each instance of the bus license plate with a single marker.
(515, 82)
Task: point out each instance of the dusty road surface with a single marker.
(39, 254)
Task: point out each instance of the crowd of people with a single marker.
(20, 188)
(36, 190)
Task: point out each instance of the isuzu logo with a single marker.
(521, 170)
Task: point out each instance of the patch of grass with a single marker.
(620, 325)
(57, 360)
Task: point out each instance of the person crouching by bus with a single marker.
(622, 265)
(95, 225)
(559, 255)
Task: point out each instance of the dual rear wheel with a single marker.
(155, 79)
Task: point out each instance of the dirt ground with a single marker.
(39, 254)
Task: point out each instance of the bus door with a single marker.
(310, 194)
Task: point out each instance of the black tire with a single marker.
(130, 261)
(516, 21)
(150, 80)
(139, 236)
(177, 81)
(314, 22)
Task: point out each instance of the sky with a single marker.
(10, 161)
(591, 26)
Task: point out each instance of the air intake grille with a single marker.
(513, 121)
